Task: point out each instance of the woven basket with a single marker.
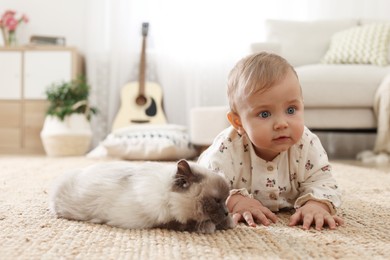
(69, 137)
(66, 145)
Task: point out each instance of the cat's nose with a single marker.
(226, 213)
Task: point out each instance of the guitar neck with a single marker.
(141, 99)
(142, 66)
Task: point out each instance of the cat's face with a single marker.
(213, 200)
(201, 194)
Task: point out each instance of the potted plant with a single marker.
(67, 129)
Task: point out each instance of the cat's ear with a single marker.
(184, 177)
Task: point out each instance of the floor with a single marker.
(383, 167)
(346, 145)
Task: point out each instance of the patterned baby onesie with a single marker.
(295, 176)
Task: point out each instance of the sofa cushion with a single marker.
(366, 44)
(336, 118)
(335, 85)
(370, 21)
(305, 42)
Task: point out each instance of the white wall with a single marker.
(65, 18)
(338, 9)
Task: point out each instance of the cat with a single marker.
(182, 196)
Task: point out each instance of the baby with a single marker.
(270, 158)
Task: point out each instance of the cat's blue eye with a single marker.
(265, 114)
(291, 110)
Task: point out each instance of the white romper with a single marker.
(295, 176)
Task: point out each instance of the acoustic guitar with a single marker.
(141, 102)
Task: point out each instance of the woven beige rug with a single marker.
(29, 231)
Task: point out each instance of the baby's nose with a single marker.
(280, 123)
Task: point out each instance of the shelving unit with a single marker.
(25, 73)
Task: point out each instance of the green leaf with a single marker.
(63, 96)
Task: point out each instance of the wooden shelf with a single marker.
(26, 72)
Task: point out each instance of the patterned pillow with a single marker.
(147, 142)
(366, 44)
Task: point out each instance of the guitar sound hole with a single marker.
(152, 109)
(140, 100)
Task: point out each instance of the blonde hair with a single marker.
(253, 73)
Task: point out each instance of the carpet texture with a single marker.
(29, 231)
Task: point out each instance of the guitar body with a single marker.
(141, 102)
(131, 113)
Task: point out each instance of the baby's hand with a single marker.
(248, 209)
(314, 212)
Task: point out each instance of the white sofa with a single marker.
(338, 97)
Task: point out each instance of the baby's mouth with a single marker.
(281, 138)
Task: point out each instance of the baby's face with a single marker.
(273, 120)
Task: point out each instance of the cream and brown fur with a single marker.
(182, 196)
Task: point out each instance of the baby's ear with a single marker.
(184, 177)
(235, 120)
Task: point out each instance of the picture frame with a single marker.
(47, 40)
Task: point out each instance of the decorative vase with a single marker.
(70, 137)
(11, 41)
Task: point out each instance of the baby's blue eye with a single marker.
(291, 110)
(265, 114)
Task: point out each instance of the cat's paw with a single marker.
(206, 227)
(227, 223)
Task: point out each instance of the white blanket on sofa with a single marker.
(381, 151)
(382, 111)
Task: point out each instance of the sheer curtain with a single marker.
(191, 47)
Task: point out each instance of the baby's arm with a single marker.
(249, 209)
(319, 192)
